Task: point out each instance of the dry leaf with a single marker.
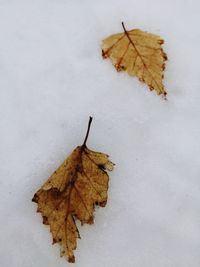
(71, 193)
(140, 54)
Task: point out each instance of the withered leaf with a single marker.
(140, 54)
(71, 193)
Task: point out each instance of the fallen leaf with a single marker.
(140, 54)
(71, 193)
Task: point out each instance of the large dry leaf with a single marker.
(140, 54)
(71, 193)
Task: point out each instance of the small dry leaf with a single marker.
(71, 193)
(140, 54)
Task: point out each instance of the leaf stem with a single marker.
(124, 27)
(88, 130)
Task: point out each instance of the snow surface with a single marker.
(52, 78)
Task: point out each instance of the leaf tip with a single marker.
(104, 54)
(35, 198)
(71, 259)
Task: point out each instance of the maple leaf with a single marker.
(140, 54)
(71, 193)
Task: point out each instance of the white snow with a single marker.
(52, 78)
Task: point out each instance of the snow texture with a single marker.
(52, 78)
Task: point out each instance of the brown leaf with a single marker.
(140, 54)
(71, 193)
